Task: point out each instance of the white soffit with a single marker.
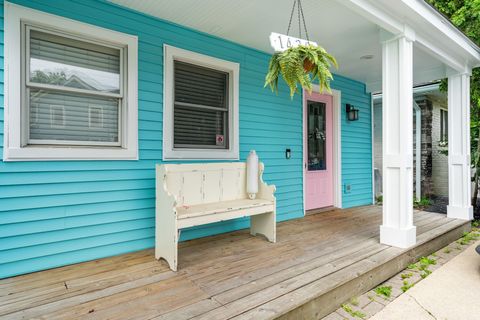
(343, 32)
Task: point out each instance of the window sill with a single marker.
(34, 153)
(207, 154)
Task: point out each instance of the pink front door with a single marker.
(318, 148)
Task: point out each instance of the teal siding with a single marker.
(356, 144)
(58, 213)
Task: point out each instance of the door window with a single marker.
(316, 136)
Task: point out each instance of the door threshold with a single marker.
(319, 210)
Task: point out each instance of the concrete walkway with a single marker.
(451, 292)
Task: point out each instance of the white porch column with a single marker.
(459, 181)
(397, 228)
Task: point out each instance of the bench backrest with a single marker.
(193, 184)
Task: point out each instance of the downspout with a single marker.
(418, 151)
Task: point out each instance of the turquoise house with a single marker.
(87, 114)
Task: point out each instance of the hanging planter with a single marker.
(300, 67)
(299, 62)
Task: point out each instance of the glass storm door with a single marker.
(318, 148)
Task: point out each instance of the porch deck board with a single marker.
(226, 276)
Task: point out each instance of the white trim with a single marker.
(337, 146)
(13, 150)
(444, 26)
(233, 69)
(459, 155)
(372, 124)
(418, 151)
(451, 46)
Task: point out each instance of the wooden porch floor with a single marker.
(318, 262)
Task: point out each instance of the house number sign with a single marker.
(281, 42)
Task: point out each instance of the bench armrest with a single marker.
(265, 191)
(164, 199)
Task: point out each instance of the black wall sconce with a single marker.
(352, 112)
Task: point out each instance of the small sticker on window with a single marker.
(220, 140)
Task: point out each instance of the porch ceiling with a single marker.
(343, 32)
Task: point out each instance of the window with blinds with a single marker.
(73, 90)
(201, 107)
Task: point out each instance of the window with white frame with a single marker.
(200, 106)
(443, 125)
(76, 97)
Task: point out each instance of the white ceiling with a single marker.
(344, 33)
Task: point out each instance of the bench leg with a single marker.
(166, 242)
(264, 224)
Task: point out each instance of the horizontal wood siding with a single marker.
(356, 143)
(59, 213)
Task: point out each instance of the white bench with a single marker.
(190, 195)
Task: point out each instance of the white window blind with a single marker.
(74, 90)
(200, 107)
(48, 110)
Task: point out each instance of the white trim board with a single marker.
(13, 149)
(337, 146)
(372, 125)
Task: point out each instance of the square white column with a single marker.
(397, 228)
(459, 174)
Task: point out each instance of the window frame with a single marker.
(172, 54)
(17, 146)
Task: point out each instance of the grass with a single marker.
(422, 203)
(384, 291)
(354, 313)
(425, 273)
(468, 237)
(412, 266)
(447, 250)
(476, 223)
(425, 263)
(354, 301)
(406, 285)
(406, 275)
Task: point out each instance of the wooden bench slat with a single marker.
(220, 207)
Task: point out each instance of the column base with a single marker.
(462, 213)
(401, 238)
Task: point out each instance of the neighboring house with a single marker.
(433, 110)
(183, 81)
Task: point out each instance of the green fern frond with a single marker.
(290, 64)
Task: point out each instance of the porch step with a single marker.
(325, 295)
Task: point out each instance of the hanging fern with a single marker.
(300, 66)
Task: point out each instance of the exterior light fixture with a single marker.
(352, 112)
(288, 153)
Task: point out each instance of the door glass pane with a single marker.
(316, 136)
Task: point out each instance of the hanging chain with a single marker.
(303, 19)
(300, 17)
(291, 16)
